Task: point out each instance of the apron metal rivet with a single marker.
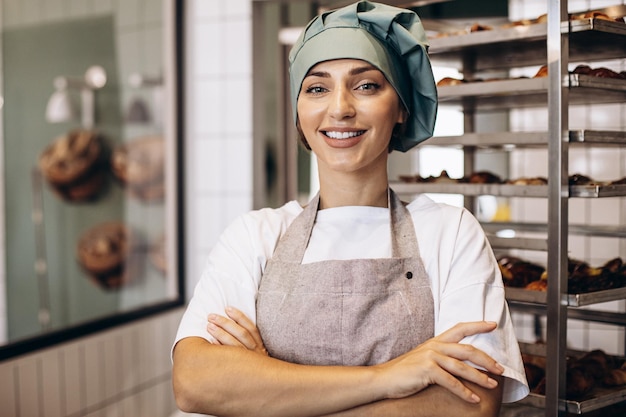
(409, 275)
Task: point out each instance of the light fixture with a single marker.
(138, 110)
(61, 108)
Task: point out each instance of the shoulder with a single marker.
(430, 214)
(261, 228)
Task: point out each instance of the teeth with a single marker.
(343, 135)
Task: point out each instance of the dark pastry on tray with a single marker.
(483, 177)
(104, 252)
(519, 273)
(74, 165)
(604, 73)
(615, 377)
(140, 165)
(618, 182)
(579, 179)
(582, 69)
(534, 374)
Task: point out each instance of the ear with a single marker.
(403, 116)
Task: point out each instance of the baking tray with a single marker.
(528, 139)
(613, 231)
(530, 92)
(573, 300)
(507, 190)
(600, 398)
(501, 48)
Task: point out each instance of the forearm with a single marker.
(434, 401)
(230, 381)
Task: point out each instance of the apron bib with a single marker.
(345, 312)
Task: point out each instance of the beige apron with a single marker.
(345, 312)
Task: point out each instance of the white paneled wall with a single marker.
(125, 371)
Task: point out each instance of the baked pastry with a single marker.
(140, 165)
(519, 273)
(484, 177)
(579, 179)
(604, 73)
(593, 15)
(477, 27)
(447, 81)
(615, 377)
(70, 157)
(582, 69)
(529, 181)
(542, 72)
(538, 285)
(74, 165)
(443, 177)
(104, 252)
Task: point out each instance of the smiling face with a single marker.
(347, 111)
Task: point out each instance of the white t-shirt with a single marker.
(464, 276)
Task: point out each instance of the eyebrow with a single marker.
(353, 71)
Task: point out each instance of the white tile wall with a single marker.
(218, 121)
(126, 371)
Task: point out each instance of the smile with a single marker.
(343, 135)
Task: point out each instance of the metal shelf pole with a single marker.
(558, 194)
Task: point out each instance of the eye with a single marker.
(315, 90)
(368, 86)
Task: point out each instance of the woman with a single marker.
(356, 304)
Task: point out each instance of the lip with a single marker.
(342, 137)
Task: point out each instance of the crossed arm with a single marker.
(238, 378)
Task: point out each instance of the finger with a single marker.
(240, 318)
(458, 369)
(232, 328)
(461, 330)
(460, 352)
(222, 336)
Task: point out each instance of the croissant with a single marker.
(615, 377)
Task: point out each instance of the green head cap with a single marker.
(391, 39)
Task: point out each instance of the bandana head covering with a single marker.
(391, 39)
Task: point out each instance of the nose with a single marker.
(341, 104)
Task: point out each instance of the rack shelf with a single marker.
(519, 46)
(563, 44)
(577, 229)
(572, 300)
(531, 92)
(600, 397)
(528, 139)
(507, 190)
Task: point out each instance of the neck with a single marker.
(353, 191)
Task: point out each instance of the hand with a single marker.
(236, 330)
(440, 361)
